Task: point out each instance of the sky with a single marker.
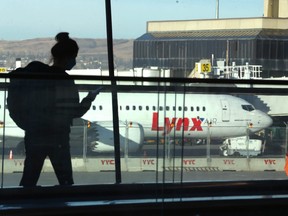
(28, 19)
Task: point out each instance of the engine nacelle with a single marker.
(100, 136)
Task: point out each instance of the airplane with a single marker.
(175, 115)
(160, 115)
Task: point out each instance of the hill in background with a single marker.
(92, 54)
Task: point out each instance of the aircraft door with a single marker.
(225, 111)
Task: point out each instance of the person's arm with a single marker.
(86, 102)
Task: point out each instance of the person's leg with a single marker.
(61, 161)
(33, 163)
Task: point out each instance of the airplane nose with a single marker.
(268, 121)
(265, 120)
(262, 121)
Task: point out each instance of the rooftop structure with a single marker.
(178, 45)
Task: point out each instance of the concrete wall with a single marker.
(218, 24)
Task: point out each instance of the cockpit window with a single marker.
(248, 107)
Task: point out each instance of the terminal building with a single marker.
(178, 45)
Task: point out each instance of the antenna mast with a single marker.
(217, 9)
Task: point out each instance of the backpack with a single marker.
(29, 99)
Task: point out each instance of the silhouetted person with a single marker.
(47, 133)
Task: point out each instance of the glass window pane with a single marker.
(229, 129)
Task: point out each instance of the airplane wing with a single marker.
(99, 136)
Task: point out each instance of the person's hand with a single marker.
(92, 94)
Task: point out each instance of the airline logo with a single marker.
(186, 124)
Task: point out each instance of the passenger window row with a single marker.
(161, 108)
(99, 107)
(154, 108)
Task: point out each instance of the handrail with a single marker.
(152, 79)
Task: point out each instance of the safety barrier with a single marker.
(154, 164)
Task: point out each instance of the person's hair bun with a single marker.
(62, 36)
(65, 47)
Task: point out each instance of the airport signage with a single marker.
(3, 69)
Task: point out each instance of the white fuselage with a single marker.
(188, 115)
